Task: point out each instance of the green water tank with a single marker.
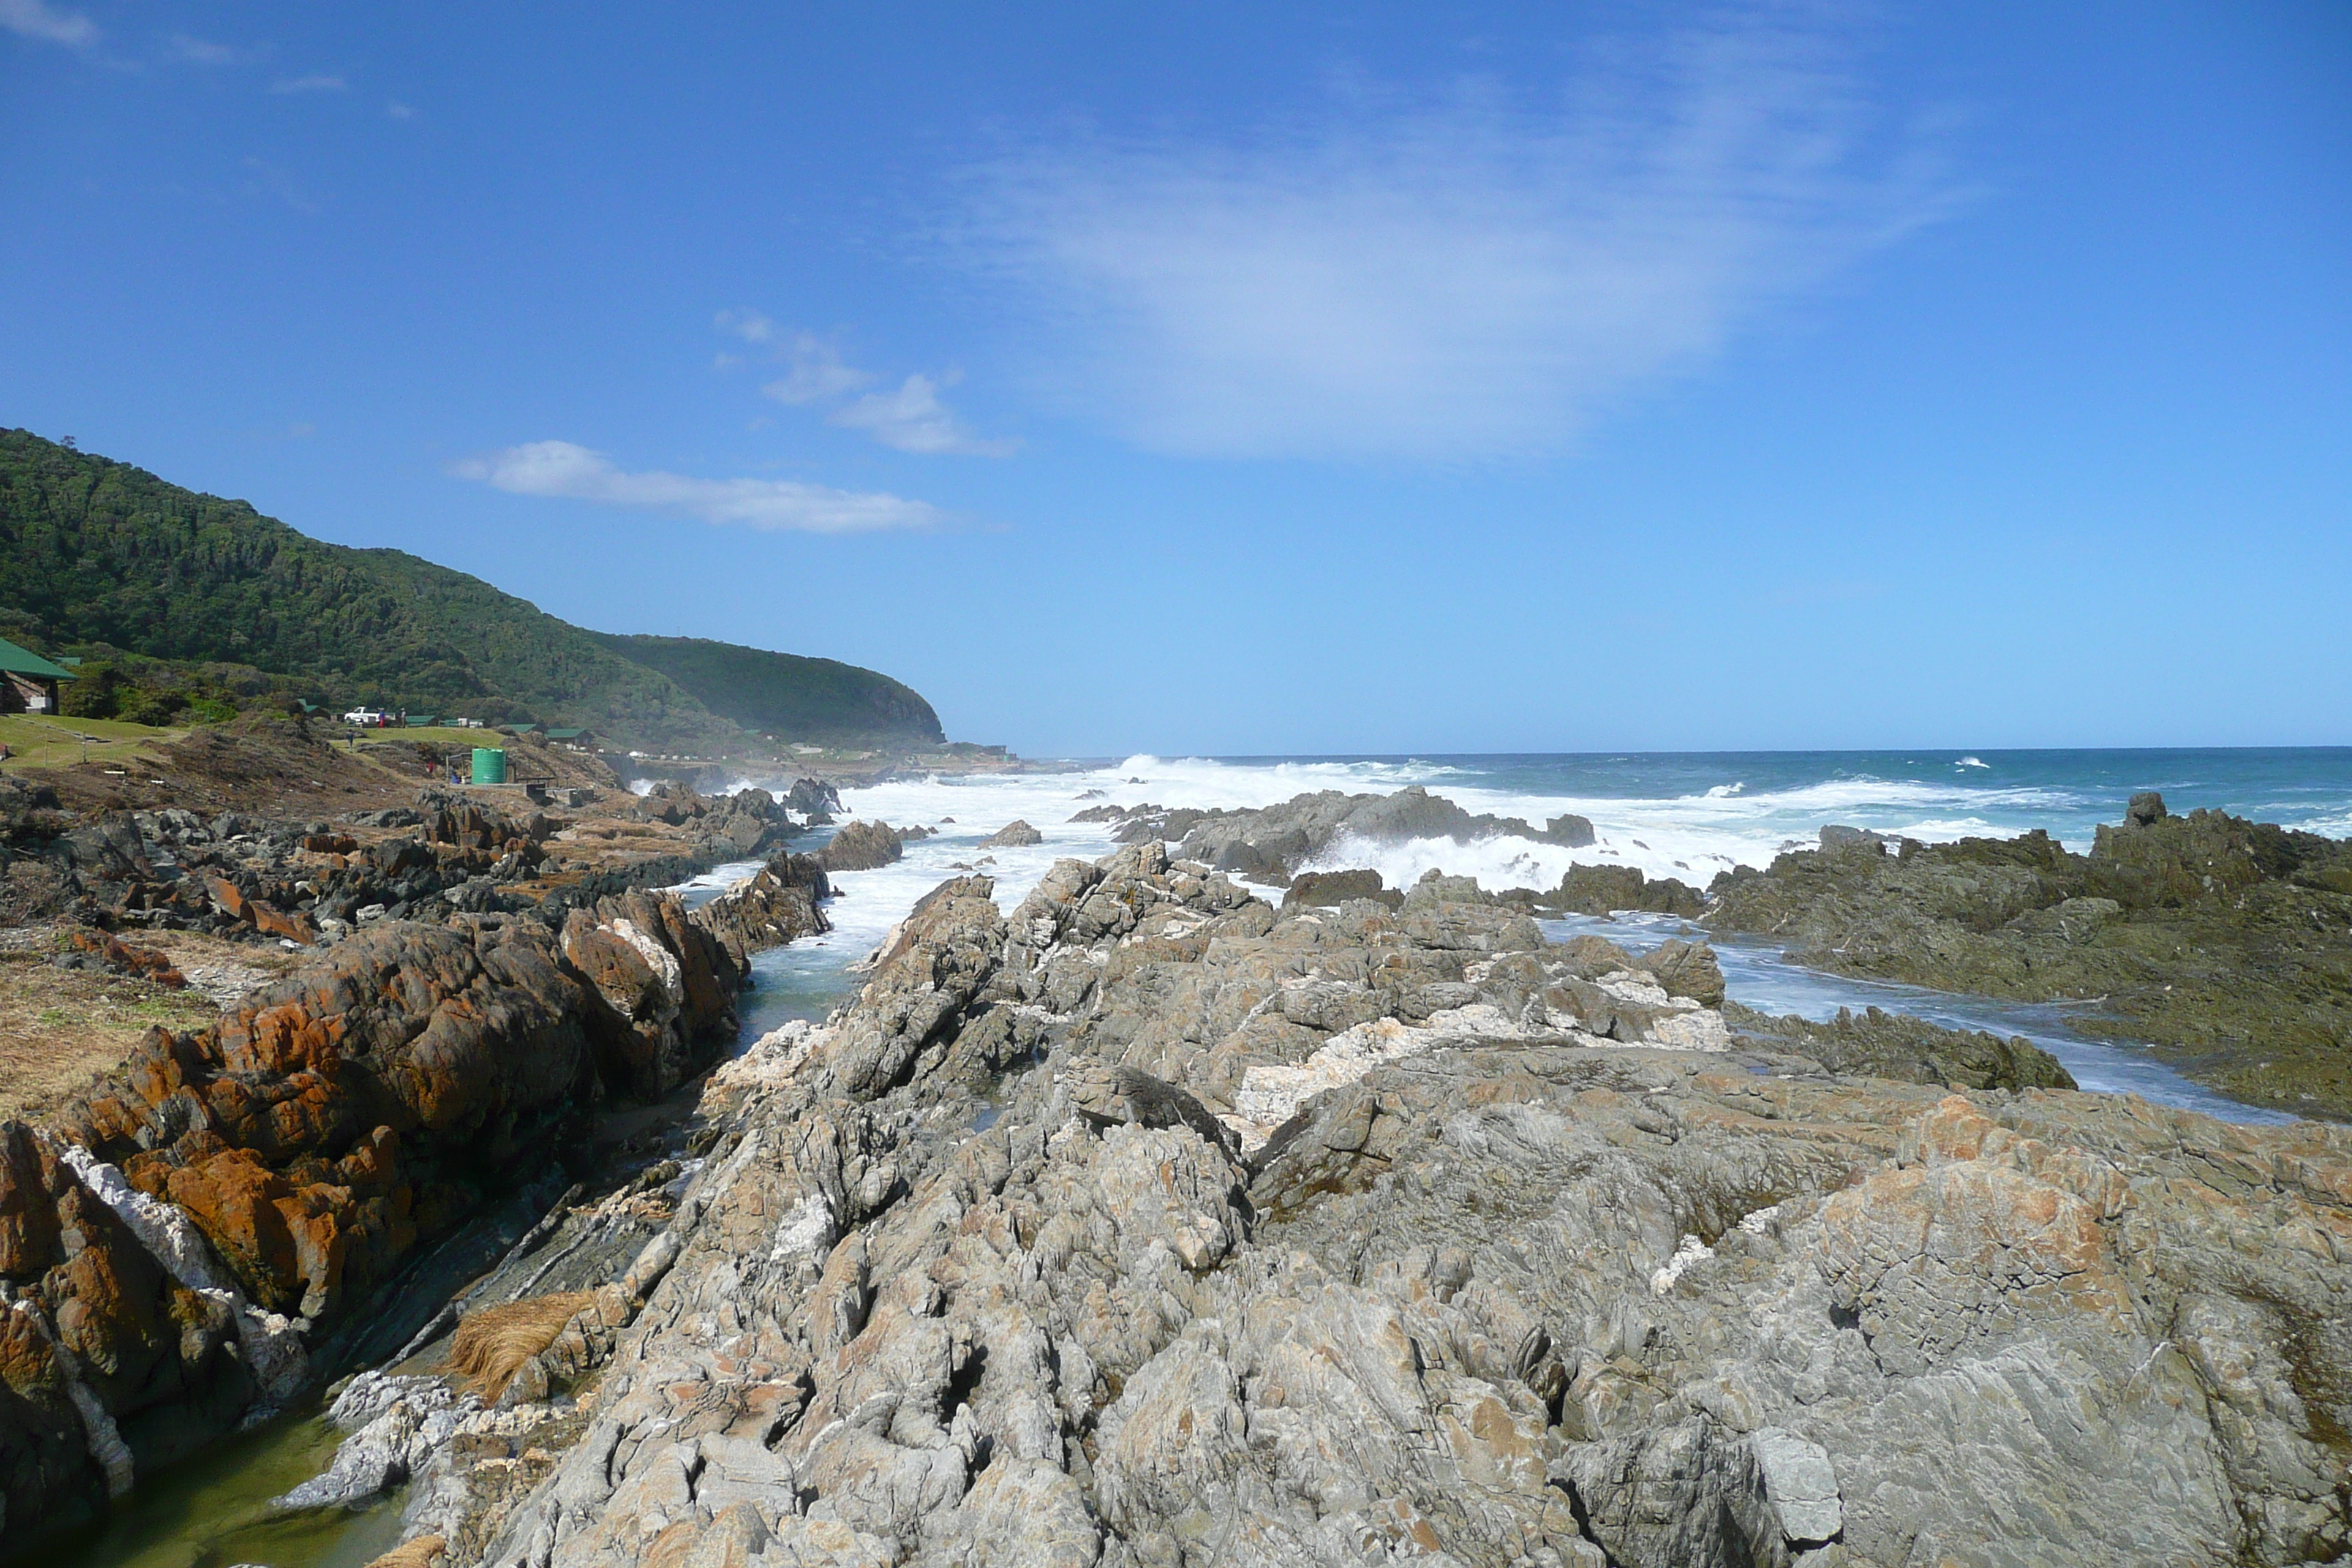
(489, 764)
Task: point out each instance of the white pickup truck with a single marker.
(367, 717)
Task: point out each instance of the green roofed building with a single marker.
(28, 683)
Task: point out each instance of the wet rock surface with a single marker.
(2226, 944)
(1149, 1225)
(1877, 1044)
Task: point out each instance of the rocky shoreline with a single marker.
(1151, 1224)
(191, 1245)
(2224, 945)
(1159, 1223)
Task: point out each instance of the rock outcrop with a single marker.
(813, 797)
(1014, 835)
(1270, 845)
(1605, 889)
(2225, 944)
(748, 823)
(173, 1241)
(862, 847)
(1570, 831)
(451, 818)
(1878, 1044)
(776, 907)
(1004, 1263)
(660, 989)
(1327, 890)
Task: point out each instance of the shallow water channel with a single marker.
(213, 1510)
(1755, 975)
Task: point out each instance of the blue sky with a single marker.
(1268, 378)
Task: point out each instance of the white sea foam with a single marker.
(1709, 827)
(1692, 835)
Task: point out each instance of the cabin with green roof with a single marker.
(28, 683)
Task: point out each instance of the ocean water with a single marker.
(1685, 814)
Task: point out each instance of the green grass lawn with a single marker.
(435, 735)
(41, 742)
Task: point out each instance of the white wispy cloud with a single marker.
(279, 182)
(200, 51)
(815, 371)
(37, 19)
(399, 111)
(751, 326)
(308, 84)
(912, 419)
(1462, 279)
(574, 472)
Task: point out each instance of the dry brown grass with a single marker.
(225, 968)
(491, 1345)
(60, 1028)
(422, 1552)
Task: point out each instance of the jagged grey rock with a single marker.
(967, 1279)
(1800, 1484)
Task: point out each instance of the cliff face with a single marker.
(1151, 1226)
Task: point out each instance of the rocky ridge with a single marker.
(1149, 1225)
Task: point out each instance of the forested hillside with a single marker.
(784, 694)
(100, 554)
